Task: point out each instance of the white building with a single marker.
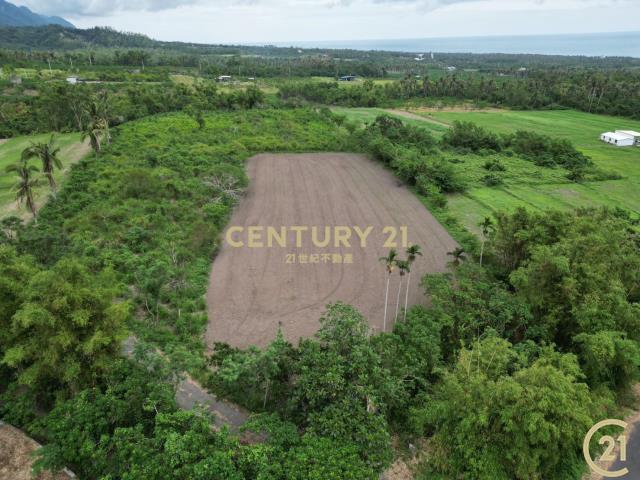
(618, 138)
(635, 135)
(72, 80)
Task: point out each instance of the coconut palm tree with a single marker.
(95, 130)
(25, 185)
(403, 268)
(48, 155)
(412, 253)
(390, 264)
(458, 256)
(487, 228)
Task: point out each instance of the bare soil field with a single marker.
(16, 457)
(253, 290)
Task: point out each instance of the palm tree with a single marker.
(94, 131)
(25, 185)
(390, 264)
(458, 256)
(97, 128)
(412, 253)
(487, 228)
(403, 267)
(48, 154)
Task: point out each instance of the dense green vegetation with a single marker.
(61, 107)
(528, 340)
(546, 330)
(614, 92)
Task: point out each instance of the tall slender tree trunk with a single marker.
(386, 301)
(481, 252)
(266, 395)
(398, 301)
(32, 206)
(406, 298)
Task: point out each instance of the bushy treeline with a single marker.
(615, 92)
(543, 150)
(46, 40)
(418, 159)
(61, 107)
(414, 156)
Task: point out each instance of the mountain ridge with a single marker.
(14, 16)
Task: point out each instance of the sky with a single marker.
(267, 21)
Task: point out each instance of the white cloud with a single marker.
(102, 7)
(105, 8)
(264, 21)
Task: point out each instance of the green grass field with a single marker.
(362, 116)
(524, 183)
(583, 130)
(10, 150)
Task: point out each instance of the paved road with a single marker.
(190, 394)
(633, 457)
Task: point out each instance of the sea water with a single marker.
(622, 44)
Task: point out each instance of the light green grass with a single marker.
(71, 151)
(582, 129)
(548, 189)
(363, 116)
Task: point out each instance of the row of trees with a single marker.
(92, 108)
(95, 129)
(391, 262)
(614, 92)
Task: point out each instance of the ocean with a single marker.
(621, 44)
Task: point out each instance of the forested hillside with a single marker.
(14, 16)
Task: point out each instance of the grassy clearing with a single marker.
(525, 184)
(10, 150)
(549, 190)
(362, 116)
(583, 129)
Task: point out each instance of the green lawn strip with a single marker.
(10, 153)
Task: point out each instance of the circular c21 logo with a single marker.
(607, 455)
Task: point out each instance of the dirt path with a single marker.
(414, 116)
(16, 456)
(252, 290)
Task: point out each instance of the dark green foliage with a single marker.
(411, 152)
(495, 418)
(63, 107)
(471, 137)
(494, 165)
(546, 151)
(468, 303)
(492, 179)
(60, 327)
(333, 386)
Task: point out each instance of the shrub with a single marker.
(467, 135)
(492, 179)
(494, 165)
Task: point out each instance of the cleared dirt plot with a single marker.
(254, 289)
(16, 457)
